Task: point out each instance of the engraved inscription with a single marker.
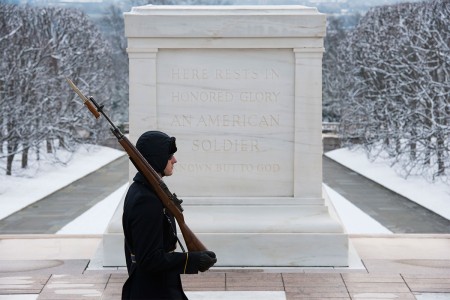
(191, 74)
(226, 145)
(232, 111)
(228, 168)
(218, 96)
(218, 121)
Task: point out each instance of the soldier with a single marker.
(154, 267)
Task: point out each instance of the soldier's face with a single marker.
(169, 167)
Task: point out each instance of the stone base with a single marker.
(271, 232)
(113, 250)
(278, 250)
(256, 250)
(113, 239)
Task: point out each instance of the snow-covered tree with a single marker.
(337, 31)
(395, 70)
(40, 48)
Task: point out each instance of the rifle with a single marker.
(170, 201)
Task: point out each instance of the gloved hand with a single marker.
(206, 260)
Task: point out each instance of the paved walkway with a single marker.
(393, 211)
(58, 209)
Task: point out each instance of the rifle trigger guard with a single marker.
(177, 201)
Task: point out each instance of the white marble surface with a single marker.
(261, 219)
(247, 115)
(224, 21)
(432, 296)
(236, 295)
(233, 118)
(240, 87)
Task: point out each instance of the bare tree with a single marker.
(397, 60)
(41, 46)
(112, 24)
(331, 83)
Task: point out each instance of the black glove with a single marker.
(206, 260)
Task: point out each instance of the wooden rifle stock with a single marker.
(169, 200)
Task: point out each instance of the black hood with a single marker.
(156, 147)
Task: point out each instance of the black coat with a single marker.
(156, 273)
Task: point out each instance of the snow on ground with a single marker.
(354, 220)
(96, 219)
(18, 192)
(434, 196)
